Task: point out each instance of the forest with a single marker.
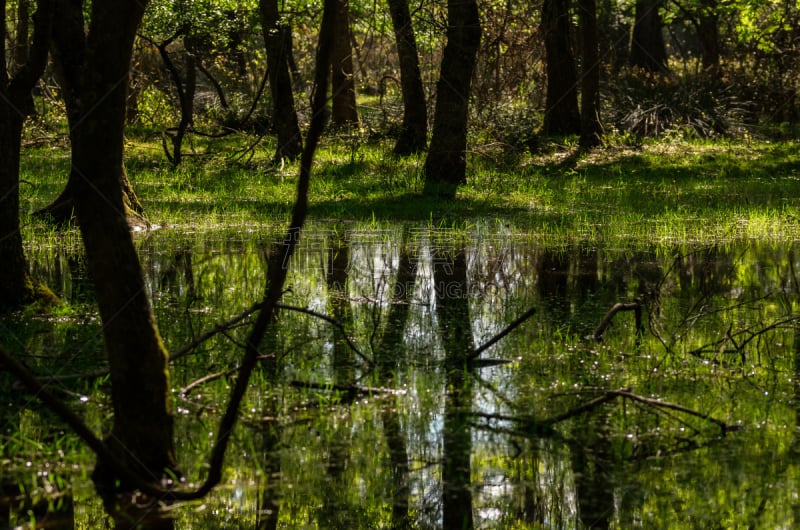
(399, 264)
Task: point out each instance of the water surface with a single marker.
(404, 427)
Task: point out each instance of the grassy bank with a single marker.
(662, 190)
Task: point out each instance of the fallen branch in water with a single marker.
(636, 307)
(350, 389)
(545, 425)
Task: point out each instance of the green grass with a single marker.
(685, 191)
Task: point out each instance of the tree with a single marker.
(561, 114)
(591, 129)
(277, 40)
(414, 134)
(344, 110)
(446, 165)
(185, 85)
(69, 45)
(648, 50)
(17, 286)
(142, 433)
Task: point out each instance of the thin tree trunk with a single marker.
(343, 87)
(142, 434)
(561, 114)
(446, 164)
(414, 135)
(17, 286)
(591, 129)
(185, 86)
(648, 50)
(277, 40)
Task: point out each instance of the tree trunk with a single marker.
(17, 287)
(142, 434)
(68, 52)
(414, 135)
(591, 129)
(344, 111)
(446, 164)
(277, 40)
(708, 34)
(561, 114)
(648, 50)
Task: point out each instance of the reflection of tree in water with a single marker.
(455, 329)
(334, 512)
(592, 466)
(387, 359)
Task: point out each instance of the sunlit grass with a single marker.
(692, 192)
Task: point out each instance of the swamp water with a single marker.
(686, 417)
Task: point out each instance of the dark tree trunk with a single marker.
(142, 434)
(561, 114)
(69, 51)
(344, 110)
(414, 135)
(648, 50)
(277, 40)
(17, 287)
(446, 164)
(591, 129)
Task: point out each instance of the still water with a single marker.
(682, 413)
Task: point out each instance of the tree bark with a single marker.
(17, 286)
(68, 52)
(277, 40)
(414, 134)
(561, 114)
(142, 434)
(446, 164)
(648, 50)
(344, 110)
(591, 129)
